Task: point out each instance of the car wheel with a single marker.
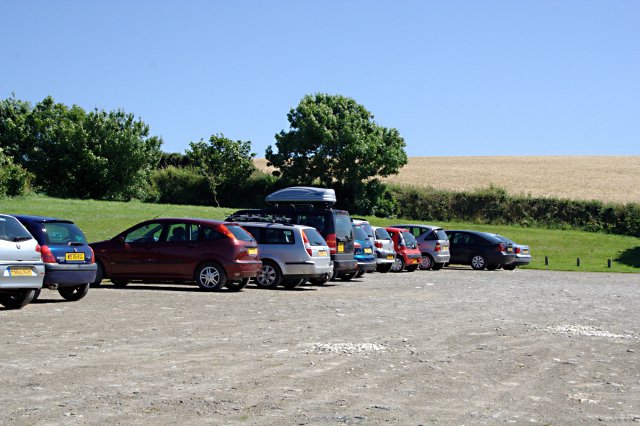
(411, 268)
(75, 292)
(35, 295)
(99, 275)
(478, 262)
(292, 283)
(359, 274)
(437, 266)
(398, 264)
(320, 281)
(348, 277)
(384, 267)
(269, 276)
(508, 267)
(119, 283)
(237, 285)
(427, 262)
(492, 267)
(211, 276)
(17, 299)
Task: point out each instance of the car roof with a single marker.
(39, 219)
(416, 225)
(277, 225)
(395, 229)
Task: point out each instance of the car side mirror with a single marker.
(121, 239)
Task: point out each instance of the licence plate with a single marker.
(389, 257)
(322, 253)
(368, 250)
(340, 247)
(525, 251)
(20, 271)
(252, 250)
(414, 260)
(74, 256)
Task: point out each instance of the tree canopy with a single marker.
(334, 141)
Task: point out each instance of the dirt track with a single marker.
(449, 347)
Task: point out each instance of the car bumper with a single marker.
(385, 256)
(308, 269)
(441, 258)
(69, 274)
(15, 282)
(345, 265)
(243, 269)
(367, 265)
(522, 260)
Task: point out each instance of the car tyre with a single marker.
(492, 267)
(99, 275)
(36, 295)
(348, 276)
(211, 276)
(478, 262)
(398, 264)
(269, 276)
(508, 267)
(437, 266)
(320, 281)
(237, 285)
(411, 268)
(119, 283)
(427, 262)
(17, 299)
(73, 293)
(384, 267)
(292, 283)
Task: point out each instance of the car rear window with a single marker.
(314, 237)
(239, 233)
(368, 229)
(440, 234)
(359, 233)
(313, 220)
(62, 233)
(382, 234)
(12, 230)
(343, 225)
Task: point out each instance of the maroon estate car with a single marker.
(212, 253)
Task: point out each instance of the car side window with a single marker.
(148, 233)
(279, 236)
(255, 233)
(457, 239)
(210, 234)
(178, 232)
(416, 232)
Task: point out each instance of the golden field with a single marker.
(604, 178)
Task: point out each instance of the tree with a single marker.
(228, 164)
(104, 155)
(333, 141)
(14, 180)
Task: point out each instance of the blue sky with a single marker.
(543, 77)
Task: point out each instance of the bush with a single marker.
(176, 185)
(14, 180)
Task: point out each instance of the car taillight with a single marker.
(47, 256)
(357, 245)
(93, 257)
(518, 249)
(307, 245)
(378, 244)
(438, 247)
(331, 242)
(225, 231)
(38, 249)
(500, 247)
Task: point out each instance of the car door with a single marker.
(177, 252)
(457, 246)
(135, 252)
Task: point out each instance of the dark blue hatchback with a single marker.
(69, 263)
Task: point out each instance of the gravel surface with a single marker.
(454, 346)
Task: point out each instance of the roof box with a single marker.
(303, 195)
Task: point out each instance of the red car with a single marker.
(408, 256)
(212, 253)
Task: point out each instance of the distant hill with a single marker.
(604, 178)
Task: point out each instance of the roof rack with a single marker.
(302, 195)
(257, 217)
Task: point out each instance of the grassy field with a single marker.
(604, 178)
(103, 219)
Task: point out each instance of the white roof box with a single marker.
(303, 195)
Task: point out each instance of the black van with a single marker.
(312, 207)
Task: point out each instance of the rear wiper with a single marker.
(18, 239)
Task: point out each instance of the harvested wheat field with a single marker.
(604, 178)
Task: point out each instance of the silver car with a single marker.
(290, 254)
(385, 253)
(21, 266)
(432, 242)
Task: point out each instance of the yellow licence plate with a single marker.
(322, 253)
(389, 257)
(20, 271)
(252, 250)
(368, 250)
(340, 247)
(414, 260)
(74, 256)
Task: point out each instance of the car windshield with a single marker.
(409, 239)
(62, 233)
(314, 237)
(239, 233)
(440, 234)
(359, 233)
(343, 226)
(368, 230)
(382, 234)
(12, 230)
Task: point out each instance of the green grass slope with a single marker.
(104, 219)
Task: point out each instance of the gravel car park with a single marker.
(445, 347)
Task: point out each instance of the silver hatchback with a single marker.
(432, 242)
(290, 254)
(385, 253)
(21, 266)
